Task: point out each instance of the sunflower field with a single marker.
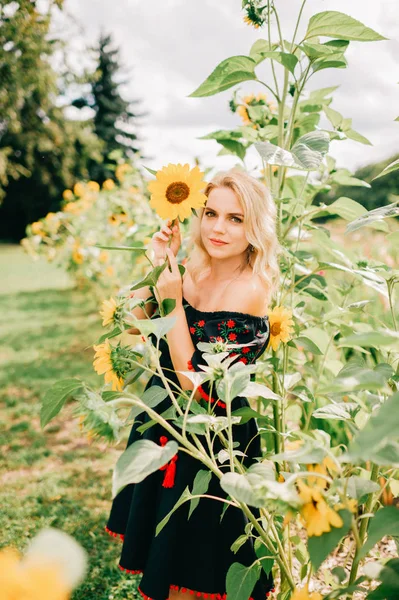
(326, 396)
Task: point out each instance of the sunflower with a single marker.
(67, 195)
(242, 111)
(79, 189)
(280, 321)
(93, 186)
(77, 254)
(326, 467)
(37, 228)
(32, 578)
(304, 594)
(108, 184)
(176, 190)
(315, 512)
(104, 364)
(108, 311)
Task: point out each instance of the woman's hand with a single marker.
(160, 240)
(169, 284)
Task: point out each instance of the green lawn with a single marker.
(52, 477)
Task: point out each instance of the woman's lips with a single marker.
(217, 243)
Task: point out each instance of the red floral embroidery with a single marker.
(219, 339)
(245, 350)
(190, 365)
(201, 323)
(231, 323)
(192, 329)
(232, 336)
(244, 360)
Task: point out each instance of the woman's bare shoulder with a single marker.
(247, 296)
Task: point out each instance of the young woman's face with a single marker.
(223, 219)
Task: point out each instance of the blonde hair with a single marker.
(260, 229)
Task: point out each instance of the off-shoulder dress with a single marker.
(190, 555)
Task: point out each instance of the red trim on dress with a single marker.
(120, 535)
(177, 588)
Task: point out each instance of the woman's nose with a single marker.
(219, 226)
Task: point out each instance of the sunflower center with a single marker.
(275, 329)
(177, 191)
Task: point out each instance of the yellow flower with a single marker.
(176, 190)
(242, 111)
(72, 207)
(110, 271)
(349, 504)
(315, 512)
(30, 579)
(93, 186)
(79, 189)
(108, 185)
(326, 467)
(103, 365)
(249, 21)
(280, 321)
(108, 309)
(77, 254)
(37, 228)
(104, 256)
(121, 171)
(304, 594)
(67, 195)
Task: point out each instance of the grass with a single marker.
(53, 477)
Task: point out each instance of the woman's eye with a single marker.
(211, 214)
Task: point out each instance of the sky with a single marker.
(169, 47)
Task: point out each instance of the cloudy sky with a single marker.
(170, 46)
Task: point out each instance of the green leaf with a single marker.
(168, 305)
(332, 63)
(357, 137)
(318, 336)
(228, 73)
(353, 378)
(389, 577)
(314, 50)
(55, 398)
(240, 581)
(200, 486)
(320, 546)
(183, 498)
(150, 170)
(358, 488)
(385, 522)
(267, 561)
(234, 147)
(116, 331)
(306, 454)
(371, 338)
(260, 51)
(378, 214)
(340, 411)
(333, 116)
(151, 278)
(151, 397)
(393, 166)
(138, 461)
(346, 208)
(306, 154)
(335, 24)
(159, 327)
(381, 428)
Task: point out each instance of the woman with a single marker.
(230, 276)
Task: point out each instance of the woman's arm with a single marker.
(181, 347)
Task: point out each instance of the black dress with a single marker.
(190, 555)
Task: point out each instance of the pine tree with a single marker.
(113, 115)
